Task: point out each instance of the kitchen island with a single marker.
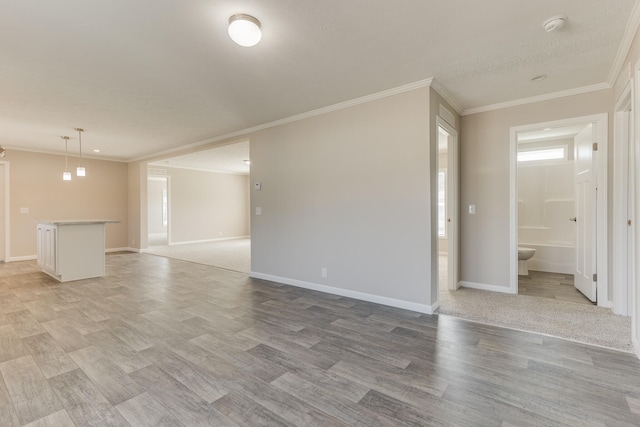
(72, 250)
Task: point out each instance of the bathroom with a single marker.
(547, 207)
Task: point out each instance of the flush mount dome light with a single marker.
(554, 23)
(244, 30)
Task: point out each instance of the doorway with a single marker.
(202, 200)
(554, 249)
(158, 211)
(447, 203)
(588, 142)
(623, 205)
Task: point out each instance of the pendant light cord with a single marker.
(80, 139)
(66, 152)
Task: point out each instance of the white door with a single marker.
(585, 220)
(631, 245)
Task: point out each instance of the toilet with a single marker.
(524, 254)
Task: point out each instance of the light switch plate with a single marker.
(257, 186)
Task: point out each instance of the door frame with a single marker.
(601, 124)
(167, 180)
(623, 123)
(452, 201)
(7, 210)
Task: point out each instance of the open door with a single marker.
(448, 224)
(585, 219)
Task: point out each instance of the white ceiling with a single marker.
(149, 76)
(226, 158)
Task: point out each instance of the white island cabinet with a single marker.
(72, 250)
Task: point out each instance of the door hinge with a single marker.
(629, 222)
(595, 277)
(595, 146)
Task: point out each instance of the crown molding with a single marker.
(444, 93)
(533, 99)
(625, 45)
(10, 148)
(313, 113)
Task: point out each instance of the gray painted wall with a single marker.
(348, 191)
(484, 179)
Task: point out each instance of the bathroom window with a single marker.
(543, 154)
(442, 205)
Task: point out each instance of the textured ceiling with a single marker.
(148, 76)
(226, 158)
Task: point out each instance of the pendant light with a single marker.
(66, 175)
(80, 170)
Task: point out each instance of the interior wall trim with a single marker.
(486, 287)
(127, 249)
(22, 258)
(313, 113)
(625, 45)
(391, 302)
(533, 99)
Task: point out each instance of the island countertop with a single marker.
(78, 221)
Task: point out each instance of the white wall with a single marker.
(207, 205)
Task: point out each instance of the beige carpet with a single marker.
(234, 254)
(576, 322)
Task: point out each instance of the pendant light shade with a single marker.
(80, 170)
(66, 175)
(244, 30)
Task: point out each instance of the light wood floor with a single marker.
(551, 285)
(166, 342)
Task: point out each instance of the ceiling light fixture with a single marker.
(80, 170)
(66, 175)
(538, 77)
(554, 23)
(244, 30)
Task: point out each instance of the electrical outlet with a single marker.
(324, 271)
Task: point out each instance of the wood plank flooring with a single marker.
(551, 285)
(165, 342)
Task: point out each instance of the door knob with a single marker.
(574, 219)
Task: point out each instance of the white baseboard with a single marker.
(392, 302)
(121, 250)
(189, 242)
(21, 258)
(485, 287)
